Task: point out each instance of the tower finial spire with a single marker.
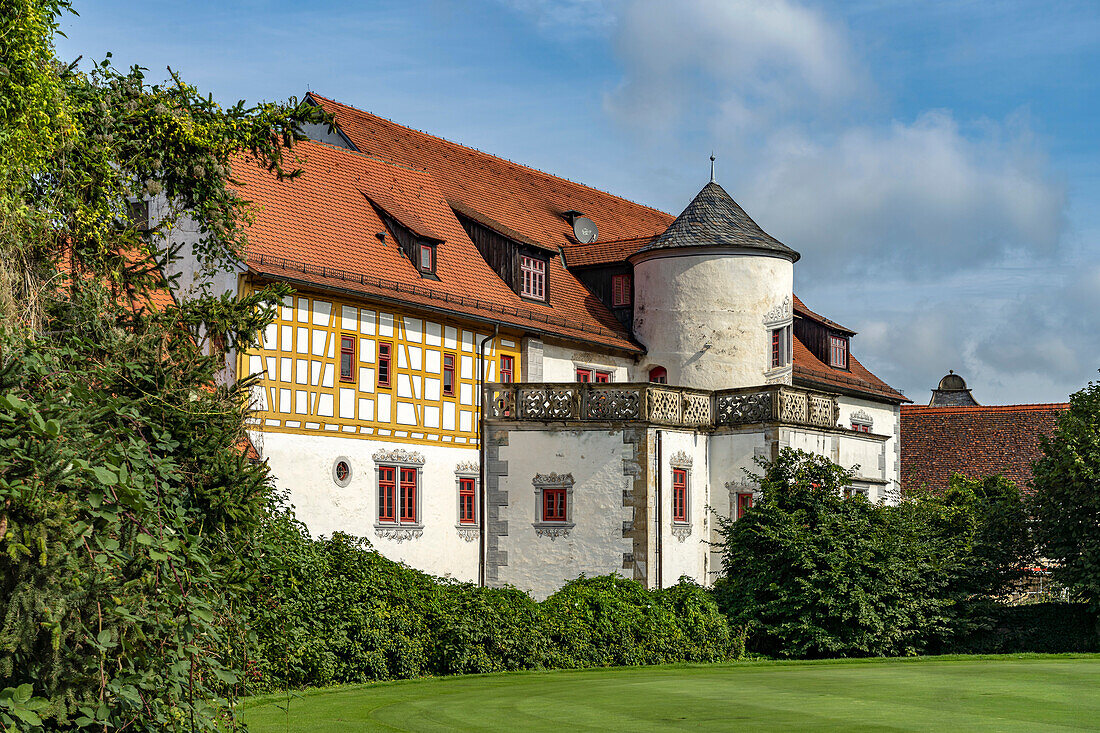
(712, 166)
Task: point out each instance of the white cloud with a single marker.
(920, 198)
(739, 63)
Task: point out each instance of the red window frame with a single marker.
(387, 494)
(426, 249)
(620, 290)
(553, 505)
(838, 352)
(467, 501)
(861, 428)
(347, 358)
(777, 347)
(679, 495)
(385, 364)
(449, 375)
(603, 377)
(658, 375)
(584, 375)
(532, 277)
(507, 369)
(408, 494)
(744, 503)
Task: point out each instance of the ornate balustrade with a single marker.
(659, 404)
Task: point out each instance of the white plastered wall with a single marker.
(685, 301)
(886, 421)
(560, 362)
(594, 544)
(683, 545)
(303, 465)
(732, 459)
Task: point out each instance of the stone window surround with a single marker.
(553, 480)
(335, 476)
(468, 532)
(400, 458)
(680, 459)
(781, 316)
(862, 417)
(593, 368)
(736, 489)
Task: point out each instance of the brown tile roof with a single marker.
(811, 371)
(523, 199)
(801, 309)
(320, 229)
(938, 442)
(603, 253)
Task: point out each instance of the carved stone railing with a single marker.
(659, 404)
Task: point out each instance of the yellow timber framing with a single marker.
(302, 392)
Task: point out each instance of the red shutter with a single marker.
(387, 494)
(384, 363)
(408, 494)
(679, 495)
(449, 375)
(466, 501)
(347, 359)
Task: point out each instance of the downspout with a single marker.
(482, 523)
(657, 545)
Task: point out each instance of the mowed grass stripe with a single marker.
(1000, 693)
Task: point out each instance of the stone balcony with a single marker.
(660, 404)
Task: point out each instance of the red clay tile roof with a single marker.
(320, 229)
(522, 199)
(811, 371)
(938, 442)
(801, 309)
(603, 253)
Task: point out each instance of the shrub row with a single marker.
(1046, 628)
(335, 611)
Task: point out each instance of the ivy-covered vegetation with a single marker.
(124, 492)
(334, 610)
(810, 573)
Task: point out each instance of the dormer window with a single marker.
(532, 277)
(620, 291)
(838, 352)
(425, 260)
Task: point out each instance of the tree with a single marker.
(811, 573)
(124, 491)
(1066, 503)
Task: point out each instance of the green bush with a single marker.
(810, 573)
(1044, 628)
(335, 611)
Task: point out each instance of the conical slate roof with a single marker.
(713, 219)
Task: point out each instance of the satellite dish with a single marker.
(584, 229)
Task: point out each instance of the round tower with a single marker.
(712, 298)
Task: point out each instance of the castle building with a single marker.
(503, 376)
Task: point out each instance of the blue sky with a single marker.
(936, 163)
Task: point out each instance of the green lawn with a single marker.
(1031, 693)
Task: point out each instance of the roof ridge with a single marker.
(1031, 407)
(492, 155)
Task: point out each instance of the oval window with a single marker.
(341, 471)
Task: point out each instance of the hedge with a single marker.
(335, 611)
(1049, 628)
